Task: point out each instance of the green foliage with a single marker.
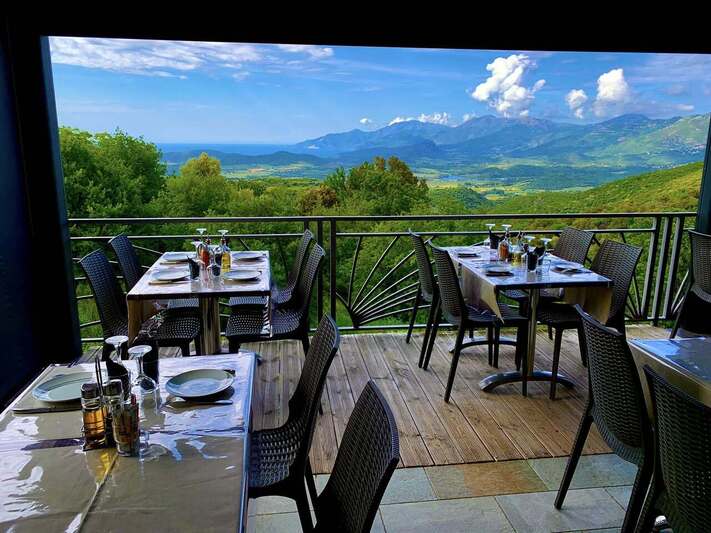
(109, 175)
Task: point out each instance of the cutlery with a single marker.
(188, 403)
(38, 410)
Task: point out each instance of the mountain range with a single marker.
(495, 148)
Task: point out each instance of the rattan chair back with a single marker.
(127, 260)
(424, 267)
(110, 300)
(573, 245)
(452, 301)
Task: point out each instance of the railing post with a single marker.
(661, 269)
(673, 266)
(648, 273)
(319, 292)
(332, 264)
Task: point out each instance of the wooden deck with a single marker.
(474, 427)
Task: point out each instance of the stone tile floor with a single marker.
(509, 496)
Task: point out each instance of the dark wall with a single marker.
(38, 319)
(703, 220)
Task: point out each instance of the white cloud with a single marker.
(435, 118)
(576, 99)
(442, 118)
(316, 52)
(503, 89)
(613, 92)
(366, 121)
(170, 58)
(241, 75)
(685, 107)
(468, 116)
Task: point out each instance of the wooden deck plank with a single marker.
(269, 374)
(490, 431)
(464, 437)
(339, 393)
(435, 436)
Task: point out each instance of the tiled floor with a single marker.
(507, 496)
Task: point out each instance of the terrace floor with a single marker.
(475, 427)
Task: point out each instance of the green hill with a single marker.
(675, 189)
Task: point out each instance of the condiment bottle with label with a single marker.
(93, 416)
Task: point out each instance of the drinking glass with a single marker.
(117, 341)
(144, 385)
(506, 227)
(545, 258)
(114, 366)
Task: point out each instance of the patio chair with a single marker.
(174, 331)
(283, 295)
(288, 321)
(463, 316)
(279, 457)
(132, 271)
(616, 405)
(366, 460)
(681, 484)
(614, 260)
(695, 311)
(573, 245)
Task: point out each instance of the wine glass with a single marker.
(506, 227)
(545, 257)
(144, 385)
(117, 341)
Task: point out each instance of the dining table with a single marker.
(684, 361)
(207, 288)
(193, 475)
(483, 278)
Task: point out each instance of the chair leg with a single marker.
(305, 343)
(455, 361)
(550, 332)
(639, 491)
(556, 360)
(575, 454)
(310, 483)
(649, 511)
(198, 347)
(302, 504)
(233, 344)
(583, 348)
(677, 321)
(497, 338)
(433, 336)
(428, 332)
(490, 343)
(418, 299)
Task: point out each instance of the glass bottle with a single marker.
(93, 416)
(113, 399)
(504, 246)
(206, 252)
(226, 252)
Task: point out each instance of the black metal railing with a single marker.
(371, 270)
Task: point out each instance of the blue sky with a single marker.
(244, 93)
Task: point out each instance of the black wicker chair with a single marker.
(279, 457)
(573, 245)
(366, 460)
(426, 291)
(451, 304)
(681, 483)
(614, 260)
(288, 321)
(695, 310)
(132, 272)
(616, 405)
(283, 295)
(177, 331)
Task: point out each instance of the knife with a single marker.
(37, 410)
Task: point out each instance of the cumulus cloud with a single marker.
(170, 58)
(613, 92)
(468, 116)
(685, 107)
(442, 118)
(366, 121)
(503, 89)
(576, 99)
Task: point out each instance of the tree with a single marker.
(109, 175)
(379, 188)
(199, 189)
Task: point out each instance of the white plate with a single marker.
(198, 383)
(64, 388)
(169, 275)
(241, 275)
(175, 257)
(248, 256)
(499, 270)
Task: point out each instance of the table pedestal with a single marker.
(210, 337)
(527, 373)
